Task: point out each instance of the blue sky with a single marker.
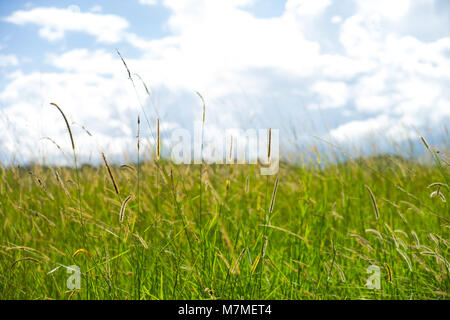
(342, 70)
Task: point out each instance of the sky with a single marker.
(342, 70)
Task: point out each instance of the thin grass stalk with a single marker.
(434, 153)
(267, 209)
(158, 154)
(111, 176)
(75, 162)
(137, 94)
(77, 172)
(201, 157)
(374, 203)
(137, 273)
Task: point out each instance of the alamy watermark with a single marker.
(74, 281)
(231, 146)
(374, 281)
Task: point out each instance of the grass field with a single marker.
(153, 230)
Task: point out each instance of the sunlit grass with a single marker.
(312, 238)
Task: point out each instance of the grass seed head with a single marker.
(374, 203)
(111, 176)
(67, 124)
(123, 207)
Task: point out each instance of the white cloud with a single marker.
(370, 93)
(7, 60)
(307, 7)
(96, 8)
(362, 36)
(148, 2)
(214, 56)
(440, 111)
(335, 66)
(390, 9)
(377, 129)
(336, 19)
(55, 22)
(408, 78)
(103, 105)
(84, 61)
(361, 129)
(332, 94)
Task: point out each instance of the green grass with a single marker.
(317, 242)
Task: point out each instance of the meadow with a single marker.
(156, 230)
